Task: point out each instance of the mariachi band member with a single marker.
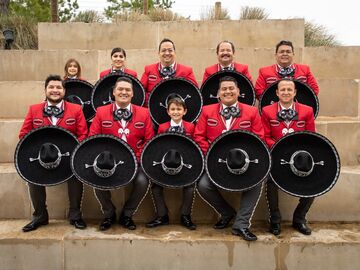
(279, 119)
(225, 52)
(176, 109)
(118, 58)
(284, 67)
(72, 69)
(132, 124)
(166, 68)
(55, 111)
(214, 120)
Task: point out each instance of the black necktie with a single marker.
(177, 129)
(122, 114)
(50, 111)
(287, 115)
(231, 111)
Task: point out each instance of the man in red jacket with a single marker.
(215, 119)
(284, 67)
(166, 68)
(132, 124)
(286, 116)
(225, 51)
(57, 112)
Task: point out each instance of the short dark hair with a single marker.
(124, 79)
(52, 77)
(225, 41)
(228, 79)
(166, 40)
(118, 49)
(284, 42)
(285, 79)
(177, 101)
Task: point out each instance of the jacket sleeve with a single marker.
(247, 74)
(267, 130)
(200, 135)
(95, 127)
(260, 85)
(81, 128)
(27, 124)
(206, 75)
(149, 133)
(310, 121)
(192, 78)
(312, 82)
(257, 126)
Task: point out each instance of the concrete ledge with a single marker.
(147, 35)
(331, 246)
(14, 192)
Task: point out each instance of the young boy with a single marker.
(176, 109)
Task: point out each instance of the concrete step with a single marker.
(31, 65)
(344, 91)
(147, 35)
(344, 132)
(16, 203)
(60, 246)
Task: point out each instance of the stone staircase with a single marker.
(333, 245)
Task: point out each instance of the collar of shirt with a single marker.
(283, 108)
(172, 65)
(114, 69)
(59, 105)
(127, 107)
(224, 106)
(229, 66)
(280, 67)
(173, 124)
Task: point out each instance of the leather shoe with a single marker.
(187, 222)
(223, 222)
(164, 220)
(106, 223)
(34, 224)
(302, 227)
(275, 228)
(245, 233)
(127, 222)
(78, 223)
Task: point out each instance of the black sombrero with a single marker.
(210, 87)
(304, 95)
(305, 164)
(104, 162)
(42, 157)
(102, 92)
(237, 160)
(79, 92)
(168, 88)
(172, 160)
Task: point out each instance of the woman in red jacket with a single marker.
(118, 58)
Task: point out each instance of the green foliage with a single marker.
(122, 6)
(318, 35)
(253, 13)
(67, 9)
(40, 10)
(25, 31)
(89, 16)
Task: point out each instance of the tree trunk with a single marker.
(4, 7)
(54, 11)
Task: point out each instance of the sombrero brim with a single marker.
(304, 95)
(157, 147)
(210, 87)
(104, 87)
(29, 147)
(90, 148)
(82, 89)
(322, 178)
(178, 86)
(256, 149)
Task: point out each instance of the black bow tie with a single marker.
(286, 72)
(177, 129)
(122, 114)
(231, 111)
(53, 111)
(227, 68)
(287, 115)
(167, 72)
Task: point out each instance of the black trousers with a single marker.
(138, 193)
(161, 208)
(38, 199)
(272, 198)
